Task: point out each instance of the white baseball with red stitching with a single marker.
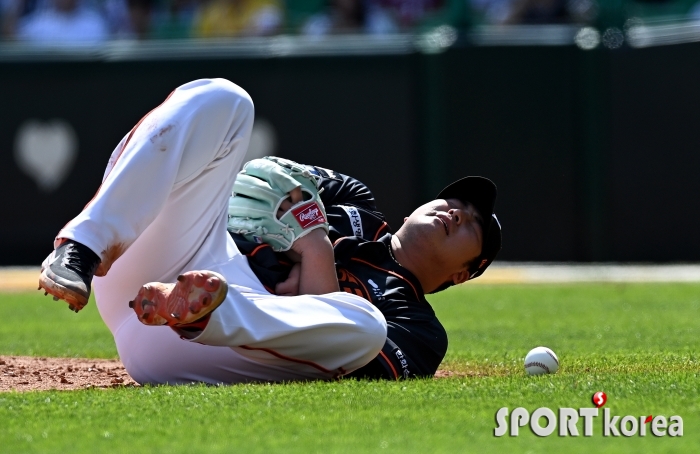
(541, 360)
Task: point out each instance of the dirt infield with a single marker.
(26, 373)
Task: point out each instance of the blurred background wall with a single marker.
(582, 112)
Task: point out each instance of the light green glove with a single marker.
(258, 192)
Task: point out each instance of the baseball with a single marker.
(541, 360)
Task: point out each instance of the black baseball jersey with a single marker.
(416, 341)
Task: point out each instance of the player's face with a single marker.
(450, 231)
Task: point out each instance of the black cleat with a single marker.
(67, 273)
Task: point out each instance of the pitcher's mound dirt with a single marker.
(26, 373)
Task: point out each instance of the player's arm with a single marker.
(314, 272)
(316, 264)
(276, 202)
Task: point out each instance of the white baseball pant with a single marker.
(162, 210)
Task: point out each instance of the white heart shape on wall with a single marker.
(46, 151)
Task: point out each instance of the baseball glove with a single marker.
(258, 192)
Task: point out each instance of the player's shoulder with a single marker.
(347, 247)
(350, 220)
(324, 173)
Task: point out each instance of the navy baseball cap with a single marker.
(480, 192)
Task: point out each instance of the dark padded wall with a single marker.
(511, 119)
(655, 155)
(594, 153)
(354, 115)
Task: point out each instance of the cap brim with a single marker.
(479, 191)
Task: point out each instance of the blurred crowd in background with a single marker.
(94, 21)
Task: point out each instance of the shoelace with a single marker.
(80, 259)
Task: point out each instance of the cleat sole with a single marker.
(60, 292)
(192, 297)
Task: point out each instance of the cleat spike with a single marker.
(131, 304)
(71, 307)
(46, 293)
(39, 288)
(55, 298)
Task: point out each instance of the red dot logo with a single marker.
(599, 399)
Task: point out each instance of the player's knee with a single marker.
(219, 98)
(234, 95)
(376, 337)
(371, 336)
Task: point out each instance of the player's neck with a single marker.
(407, 258)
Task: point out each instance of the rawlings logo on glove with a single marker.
(309, 214)
(258, 192)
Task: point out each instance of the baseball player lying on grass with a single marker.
(263, 302)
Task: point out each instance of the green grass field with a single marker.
(638, 343)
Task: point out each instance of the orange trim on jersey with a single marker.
(340, 371)
(359, 281)
(338, 240)
(382, 227)
(390, 272)
(255, 251)
(393, 369)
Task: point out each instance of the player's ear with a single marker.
(405, 219)
(460, 276)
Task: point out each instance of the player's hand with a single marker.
(290, 287)
(276, 201)
(295, 196)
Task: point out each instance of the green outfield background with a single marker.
(636, 342)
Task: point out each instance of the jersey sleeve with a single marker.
(350, 206)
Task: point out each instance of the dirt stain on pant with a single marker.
(109, 255)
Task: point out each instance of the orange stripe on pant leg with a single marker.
(340, 370)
